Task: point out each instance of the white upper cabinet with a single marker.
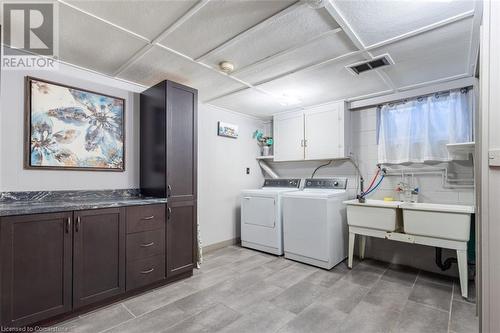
(313, 134)
(289, 128)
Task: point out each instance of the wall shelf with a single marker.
(461, 148)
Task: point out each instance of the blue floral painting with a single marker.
(74, 129)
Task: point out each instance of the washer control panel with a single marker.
(327, 183)
(291, 183)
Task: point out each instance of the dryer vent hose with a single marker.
(267, 169)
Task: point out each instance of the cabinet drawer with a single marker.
(145, 218)
(145, 271)
(145, 244)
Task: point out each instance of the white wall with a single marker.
(490, 176)
(365, 151)
(12, 175)
(221, 172)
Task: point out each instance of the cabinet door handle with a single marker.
(68, 225)
(169, 191)
(148, 245)
(148, 217)
(305, 143)
(302, 143)
(78, 222)
(148, 271)
(169, 212)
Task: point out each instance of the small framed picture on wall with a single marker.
(227, 130)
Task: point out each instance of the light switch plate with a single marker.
(494, 157)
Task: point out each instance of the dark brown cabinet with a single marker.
(180, 234)
(98, 255)
(36, 272)
(145, 245)
(64, 263)
(182, 104)
(168, 166)
(52, 264)
(168, 141)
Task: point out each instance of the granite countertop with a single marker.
(21, 203)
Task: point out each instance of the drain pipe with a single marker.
(439, 260)
(267, 169)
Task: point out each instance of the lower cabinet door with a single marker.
(98, 255)
(35, 261)
(181, 234)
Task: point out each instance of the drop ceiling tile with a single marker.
(376, 21)
(430, 56)
(295, 28)
(326, 83)
(252, 102)
(159, 64)
(327, 47)
(90, 43)
(147, 18)
(219, 21)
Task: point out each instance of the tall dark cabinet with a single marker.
(168, 166)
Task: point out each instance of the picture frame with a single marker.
(227, 130)
(70, 128)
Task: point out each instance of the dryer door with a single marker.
(259, 211)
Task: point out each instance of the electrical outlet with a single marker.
(248, 171)
(494, 157)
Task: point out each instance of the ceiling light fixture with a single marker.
(226, 67)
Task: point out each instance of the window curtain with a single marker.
(418, 130)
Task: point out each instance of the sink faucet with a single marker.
(407, 192)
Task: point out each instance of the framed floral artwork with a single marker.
(73, 129)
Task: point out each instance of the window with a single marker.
(418, 130)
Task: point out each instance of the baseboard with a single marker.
(220, 245)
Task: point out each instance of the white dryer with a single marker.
(315, 224)
(261, 215)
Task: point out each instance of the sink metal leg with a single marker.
(362, 245)
(352, 237)
(462, 270)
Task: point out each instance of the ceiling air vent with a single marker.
(364, 66)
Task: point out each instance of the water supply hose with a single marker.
(375, 187)
(373, 180)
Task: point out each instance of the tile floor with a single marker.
(240, 290)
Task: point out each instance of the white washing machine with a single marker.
(315, 224)
(261, 215)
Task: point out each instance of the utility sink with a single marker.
(436, 220)
(374, 214)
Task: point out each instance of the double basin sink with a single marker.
(420, 219)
